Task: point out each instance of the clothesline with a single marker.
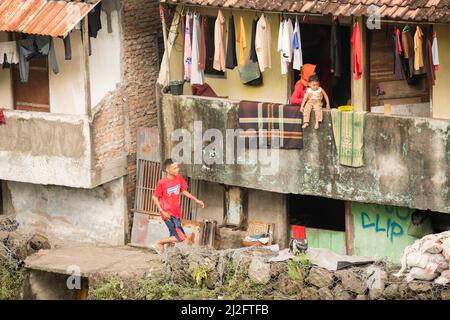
(304, 14)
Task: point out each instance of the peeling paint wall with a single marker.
(66, 214)
(406, 159)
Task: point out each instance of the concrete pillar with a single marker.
(235, 207)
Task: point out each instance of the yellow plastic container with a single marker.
(345, 108)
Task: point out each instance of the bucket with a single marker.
(176, 87)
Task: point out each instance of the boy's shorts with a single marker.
(172, 225)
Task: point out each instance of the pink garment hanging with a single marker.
(187, 48)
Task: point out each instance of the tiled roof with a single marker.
(43, 17)
(418, 10)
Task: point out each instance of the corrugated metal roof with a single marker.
(43, 17)
(418, 10)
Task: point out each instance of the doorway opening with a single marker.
(316, 50)
(323, 219)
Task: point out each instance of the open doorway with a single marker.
(323, 218)
(316, 50)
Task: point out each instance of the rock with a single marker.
(352, 281)
(259, 271)
(361, 297)
(340, 294)
(376, 281)
(420, 286)
(309, 293)
(213, 280)
(198, 260)
(391, 292)
(445, 295)
(320, 277)
(325, 294)
(278, 269)
(286, 285)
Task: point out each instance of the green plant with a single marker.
(10, 281)
(111, 288)
(298, 266)
(201, 274)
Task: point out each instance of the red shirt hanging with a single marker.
(357, 52)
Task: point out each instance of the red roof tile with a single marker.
(419, 10)
(43, 17)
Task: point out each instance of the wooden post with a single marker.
(87, 77)
(349, 229)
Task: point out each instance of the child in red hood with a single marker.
(300, 87)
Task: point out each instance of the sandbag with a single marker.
(436, 263)
(446, 248)
(417, 259)
(421, 274)
(432, 246)
(444, 278)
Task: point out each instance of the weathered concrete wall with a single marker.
(263, 206)
(45, 148)
(67, 214)
(407, 159)
(381, 231)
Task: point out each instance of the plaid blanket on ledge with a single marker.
(348, 130)
(265, 121)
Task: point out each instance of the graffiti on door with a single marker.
(389, 220)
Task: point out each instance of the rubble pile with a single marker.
(292, 279)
(428, 259)
(16, 246)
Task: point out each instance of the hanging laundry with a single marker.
(35, 46)
(285, 40)
(196, 72)
(335, 49)
(253, 55)
(67, 48)
(94, 20)
(435, 52)
(202, 54)
(263, 43)
(357, 52)
(109, 7)
(9, 50)
(187, 47)
(408, 51)
(418, 49)
(231, 62)
(242, 40)
(431, 75)
(2, 117)
(219, 42)
(297, 46)
(398, 67)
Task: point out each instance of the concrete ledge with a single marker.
(406, 158)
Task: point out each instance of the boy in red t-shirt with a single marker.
(167, 200)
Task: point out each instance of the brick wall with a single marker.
(133, 104)
(142, 43)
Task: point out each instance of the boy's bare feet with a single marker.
(305, 125)
(316, 126)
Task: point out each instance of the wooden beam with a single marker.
(349, 229)
(86, 69)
